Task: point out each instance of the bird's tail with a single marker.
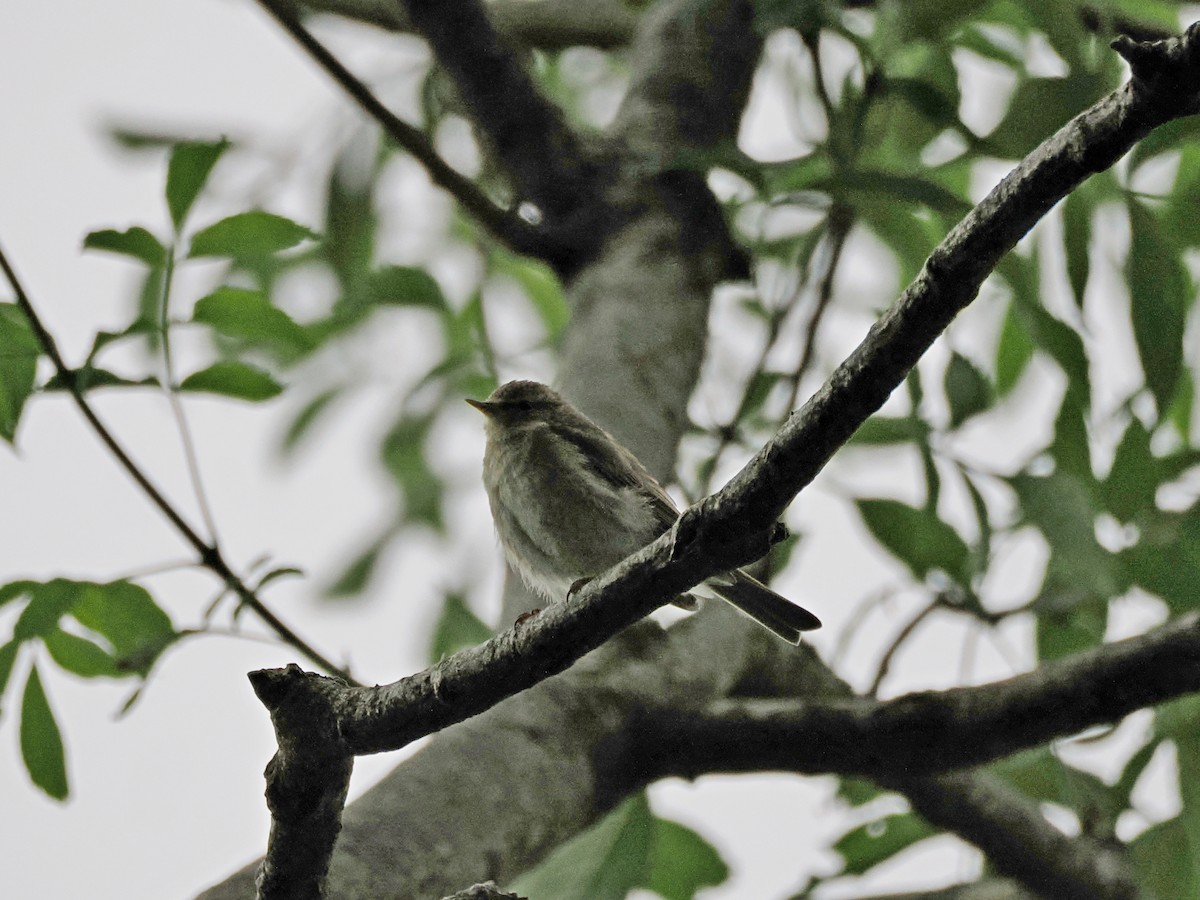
(763, 605)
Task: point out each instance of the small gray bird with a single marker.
(569, 502)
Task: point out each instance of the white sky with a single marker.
(169, 799)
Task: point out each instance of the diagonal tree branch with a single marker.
(505, 225)
(1165, 86)
(209, 555)
(676, 104)
(525, 130)
(1018, 840)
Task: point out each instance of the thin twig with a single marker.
(839, 227)
(885, 662)
(171, 389)
(210, 556)
(858, 616)
(506, 225)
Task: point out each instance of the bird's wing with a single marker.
(619, 467)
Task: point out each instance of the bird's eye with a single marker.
(525, 406)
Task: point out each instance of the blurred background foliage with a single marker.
(1045, 450)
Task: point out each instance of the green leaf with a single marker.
(356, 575)
(1040, 775)
(682, 862)
(1179, 721)
(603, 863)
(983, 549)
(854, 186)
(883, 430)
(1165, 860)
(80, 656)
(1166, 558)
(916, 537)
(1180, 413)
(757, 392)
(8, 658)
(931, 19)
(1135, 475)
(968, 390)
(1061, 506)
(249, 234)
(1040, 107)
(403, 454)
(857, 791)
(138, 327)
(48, 603)
(249, 316)
(938, 105)
(136, 242)
(1013, 351)
(457, 628)
(1077, 234)
(872, 843)
(1178, 214)
(277, 573)
(19, 351)
(350, 216)
(910, 236)
(405, 286)
(126, 615)
(1160, 292)
(1065, 632)
(306, 418)
(795, 175)
(1133, 770)
(1064, 345)
(89, 378)
(187, 173)
(41, 742)
(233, 379)
(1071, 448)
(16, 589)
(541, 286)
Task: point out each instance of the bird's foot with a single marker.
(577, 585)
(525, 617)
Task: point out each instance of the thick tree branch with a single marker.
(639, 327)
(692, 67)
(928, 732)
(1018, 840)
(490, 797)
(307, 782)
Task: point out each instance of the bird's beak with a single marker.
(488, 409)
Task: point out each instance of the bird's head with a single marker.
(522, 403)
